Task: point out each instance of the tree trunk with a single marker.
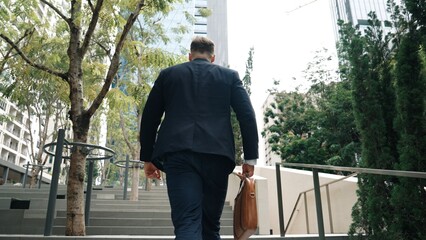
(148, 184)
(135, 183)
(34, 173)
(75, 195)
(75, 187)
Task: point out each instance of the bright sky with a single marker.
(285, 34)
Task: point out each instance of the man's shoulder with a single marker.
(191, 64)
(177, 66)
(223, 69)
(228, 71)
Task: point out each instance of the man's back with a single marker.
(197, 97)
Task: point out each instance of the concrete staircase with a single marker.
(111, 217)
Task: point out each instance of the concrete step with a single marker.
(123, 222)
(35, 203)
(144, 213)
(118, 213)
(117, 222)
(95, 206)
(95, 195)
(27, 190)
(149, 216)
(127, 237)
(22, 195)
(133, 230)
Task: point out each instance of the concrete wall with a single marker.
(342, 197)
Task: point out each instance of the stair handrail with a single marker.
(315, 168)
(311, 189)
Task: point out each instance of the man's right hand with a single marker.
(248, 171)
(151, 171)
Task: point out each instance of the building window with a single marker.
(365, 22)
(3, 105)
(388, 24)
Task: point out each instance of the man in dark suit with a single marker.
(195, 145)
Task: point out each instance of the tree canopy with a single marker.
(82, 44)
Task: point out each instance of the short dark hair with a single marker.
(202, 44)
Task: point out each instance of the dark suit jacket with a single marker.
(196, 98)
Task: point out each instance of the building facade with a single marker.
(217, 30)
(14, 134)
(356, 12)
(270, 157)
(214, 26)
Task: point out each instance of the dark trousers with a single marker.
(197, 184)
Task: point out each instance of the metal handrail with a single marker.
(397, 173)
(315, 167)
(311, 189)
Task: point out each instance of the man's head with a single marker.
(202, 47)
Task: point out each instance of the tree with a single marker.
(95, 32)
(369, 73)
(129, 95)
(333, 119)
(387, 75)
(27, 86)
(316, 126)
(408, 195)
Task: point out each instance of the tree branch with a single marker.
(56, 10)
(107, 51)
(90, 5)
(125, 133)
(112, 71)
(31, 63)
(8, 53)
(92, 26)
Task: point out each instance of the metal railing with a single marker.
(326, 185)
(318, 204)
(105, 154)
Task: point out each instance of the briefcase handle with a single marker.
(241, 176)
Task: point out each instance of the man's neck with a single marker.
(196, 55)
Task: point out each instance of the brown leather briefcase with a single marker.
(245, 210)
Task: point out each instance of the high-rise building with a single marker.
(215, 27)
(356, 12)
(270, 156)
(14, 134)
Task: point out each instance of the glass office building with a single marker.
(356, 12)
(215, 27)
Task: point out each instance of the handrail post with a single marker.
(126, 176)
(54, 183)
(318, 204)
(88, 193)
(25, 176)
(329, 209)
(41, 177)
(280, 198)
(306, 213)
